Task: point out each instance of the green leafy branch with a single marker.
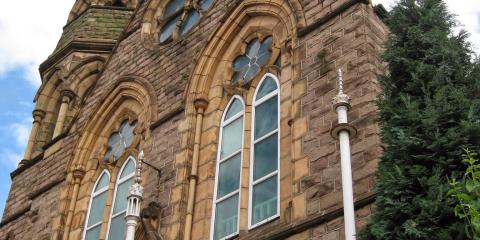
(466, 194)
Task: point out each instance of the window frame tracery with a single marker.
(225, 123)
(252, 182)
(119, 180)
(96, 193)
(178, 19)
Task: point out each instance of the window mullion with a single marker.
(264, 178)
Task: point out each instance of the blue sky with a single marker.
(25, 42)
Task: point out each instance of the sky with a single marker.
(29, 31)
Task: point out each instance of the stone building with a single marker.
(230, 100)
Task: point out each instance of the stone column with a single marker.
(200, 106)
(38, 116)
(67, 96)
(77, 175)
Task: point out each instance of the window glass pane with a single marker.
(96, 209)
(93, 233)
(226, 217)
(205, 4)
(168, 29)
(193, 18)
(126, 131)
(235, 107)
(229, 176)
(232, 138)
(117, 228)
(241, 63)
(269, 85)
(173, 7)
(115, 147)
(252, 71)
(128, 169)
(253, 47)
(266, 157)
(266, 117)
(103, 182)
(263, 58)
(265, 48)
(121, 197)
(264, 200)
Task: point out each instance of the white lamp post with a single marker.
(134, 201)
(342, 131)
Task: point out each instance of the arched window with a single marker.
(180, 19)
(265, 162)
(119, 207)
(229, 161)
(97, 207)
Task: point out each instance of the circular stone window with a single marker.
(180, 16)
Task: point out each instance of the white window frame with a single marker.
(220, 160)
(117, 183)
(92, 196)
(253, 183)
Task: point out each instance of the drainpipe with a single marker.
(200, 106)
(78, 174)
(342, 132)
(67, 96)
(134, 201)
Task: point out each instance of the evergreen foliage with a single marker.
(429, 110)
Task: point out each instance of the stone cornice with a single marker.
(166, 117)
(27, 164)
(90, 46)
(304, 31)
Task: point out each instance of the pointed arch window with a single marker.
(228, 168)
(116, 228)
(119, 141)
(264, 168)
(181, 16)
(97, 207)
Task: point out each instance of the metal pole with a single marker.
(342, 132)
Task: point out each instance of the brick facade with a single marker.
(125, 74)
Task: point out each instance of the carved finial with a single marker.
(341, 99)
(340, 82)
(138, 175)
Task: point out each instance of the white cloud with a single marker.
(468, 14)
(12, 158)
(29, 30)
(18, 133)
(21, 132)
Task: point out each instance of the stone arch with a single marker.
(231, 38)
(131, 98)
(74, 81)
(155, 9)
(210, 83)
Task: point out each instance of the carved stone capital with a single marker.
(78, 173)
(200, 104)
(67, 95)
(38, 115)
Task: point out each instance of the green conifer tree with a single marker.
(429, 110)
